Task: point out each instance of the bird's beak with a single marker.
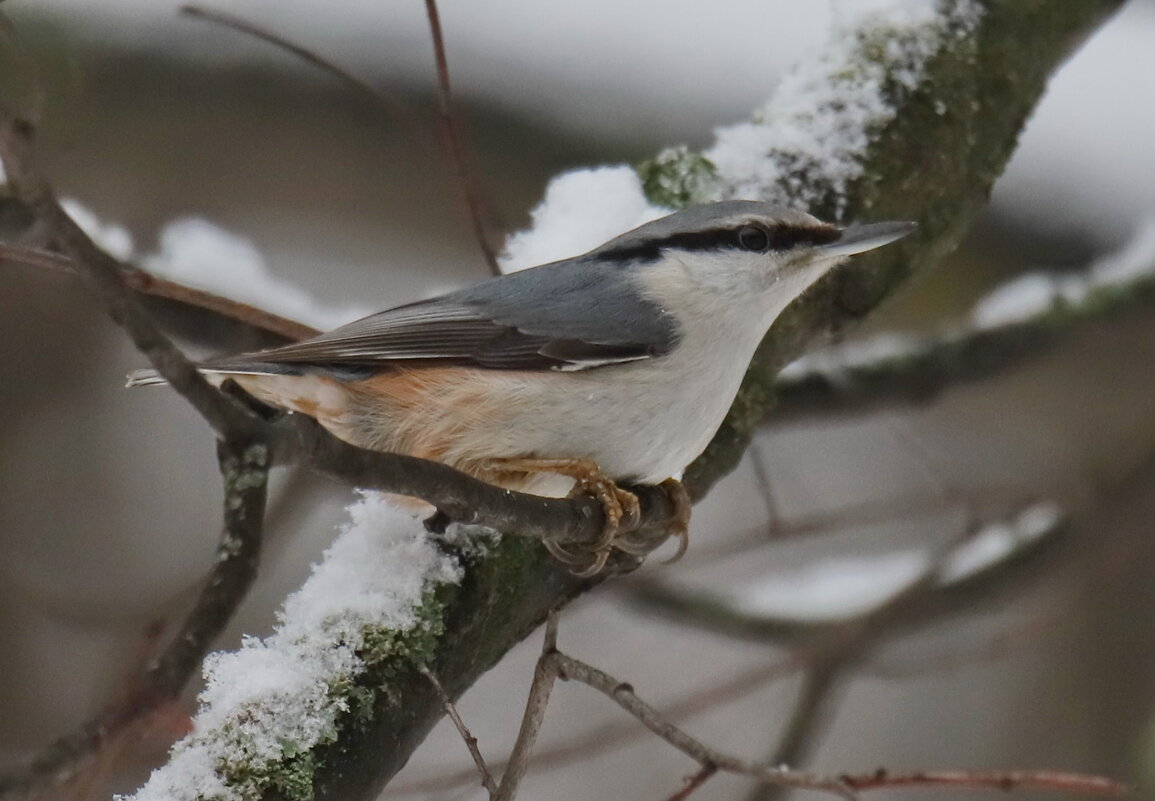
(861, 238)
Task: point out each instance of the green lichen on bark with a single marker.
(385, 655)
(678, 177)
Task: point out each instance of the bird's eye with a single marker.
(751, 237)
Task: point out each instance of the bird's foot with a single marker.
(620, 507)
(640, 543)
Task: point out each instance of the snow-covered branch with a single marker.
(1015, 321)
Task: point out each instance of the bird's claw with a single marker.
(623, 511)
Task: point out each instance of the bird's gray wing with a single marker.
(570, 315)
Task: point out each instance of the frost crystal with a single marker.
(274, 700)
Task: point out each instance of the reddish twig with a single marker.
(1058, 781)
(846, 786)
(448, 125)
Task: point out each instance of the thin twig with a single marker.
(453, 145)
(103, 273)
(993, 780)
(391, 104)
(766, 488)
(623, 695)
(692, 783)
(544, 676)
(470, 741)
(845, 786)
(818, 683)
(618, 732)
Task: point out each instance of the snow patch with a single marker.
(810, 138)
(999, 541)
(581, 210)
(113, 239)
(842, 587)
(1036, 294)
(197, 253)
(275, 698)
(875, 350)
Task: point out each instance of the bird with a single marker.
(590, 374)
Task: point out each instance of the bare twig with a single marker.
(103, 273)
(453, 145)
(692, 783)
(1058, 781)
(618, 732)
(819, 682)
(846, 785)
(244, 470)
(470, 741)
(622, 694)
(391, 104)
(544, 676)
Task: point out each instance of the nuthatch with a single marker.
(616, 366)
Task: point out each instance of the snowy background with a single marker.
(154, 120)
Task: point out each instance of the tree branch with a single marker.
(103, 274)
(244, 471)
(145, 283)
(845, 786)
(888, 371)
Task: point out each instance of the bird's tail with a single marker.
(218, 370)
(145, 378)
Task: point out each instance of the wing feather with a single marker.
(568, 315)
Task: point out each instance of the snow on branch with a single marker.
(811, 140)
(201, 255)
(266, 707)
(806, 144)
(1015, 320)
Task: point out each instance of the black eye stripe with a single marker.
(782, 237)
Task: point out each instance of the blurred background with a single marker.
(109, 507)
